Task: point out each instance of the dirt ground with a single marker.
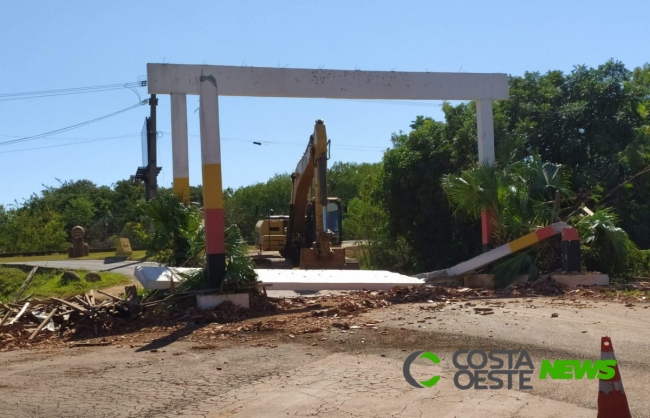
(347, 366)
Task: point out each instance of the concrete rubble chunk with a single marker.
(93, 276)
(70, 276)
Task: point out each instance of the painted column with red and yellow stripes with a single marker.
(485, 131)
(215, 246)
(180, 159)
(487, 228)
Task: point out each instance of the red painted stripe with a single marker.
(215, 242)
(570, 234)
(487, 226)
(544, 233)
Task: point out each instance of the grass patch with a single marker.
(47, 283)
(137, 255)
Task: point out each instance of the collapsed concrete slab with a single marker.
(315, 280)
(160, 278)
(297, 280)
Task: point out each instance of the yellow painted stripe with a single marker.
(523, 242)
(182, 188)
(212, 190)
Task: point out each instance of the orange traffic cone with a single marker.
(612, 402)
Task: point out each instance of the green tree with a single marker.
(249, 204)
(345, 179)
(594, 121)
(527, 195)
(79, 211)
(21, 230)
(410, 190)
(177, 237)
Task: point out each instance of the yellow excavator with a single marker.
(311, 235)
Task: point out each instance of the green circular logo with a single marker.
(407, 369)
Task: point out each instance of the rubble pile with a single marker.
(98, 318)
(544, 286)
(425, 293)
(29, 322)
(628, 293)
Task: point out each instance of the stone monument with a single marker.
(78, 248)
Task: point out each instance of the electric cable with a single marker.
(81, 138)
(71, 127)
(67, 91)
(351, 147)
(71, 143)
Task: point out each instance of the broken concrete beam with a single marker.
(573, 280)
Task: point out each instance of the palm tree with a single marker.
(174, 225)
(607, 248)
(520, 196)
(526, 195)
(178, 240)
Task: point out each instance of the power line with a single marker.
(351, 147)
(67, 91)
(71, 127)
(81, 138)
(71, 143)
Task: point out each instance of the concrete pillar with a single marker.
(571, 256)
(180, 158)
(215, 247)
(485, 130)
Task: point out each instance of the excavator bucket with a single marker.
(309, 259)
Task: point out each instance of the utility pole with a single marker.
(148, 172)
(152, 163)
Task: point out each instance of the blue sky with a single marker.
(57, 45)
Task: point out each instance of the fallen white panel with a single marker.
(211, 301)
(160, 277)
(281, 279)
(315, 280)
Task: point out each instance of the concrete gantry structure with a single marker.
(211, 81)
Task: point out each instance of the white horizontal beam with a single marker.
(329, 84)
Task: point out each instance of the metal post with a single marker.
(152, 163)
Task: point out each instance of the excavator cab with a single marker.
(334, 220)
(329, 254)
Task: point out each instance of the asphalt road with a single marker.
(123, 267)
(355, 373)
